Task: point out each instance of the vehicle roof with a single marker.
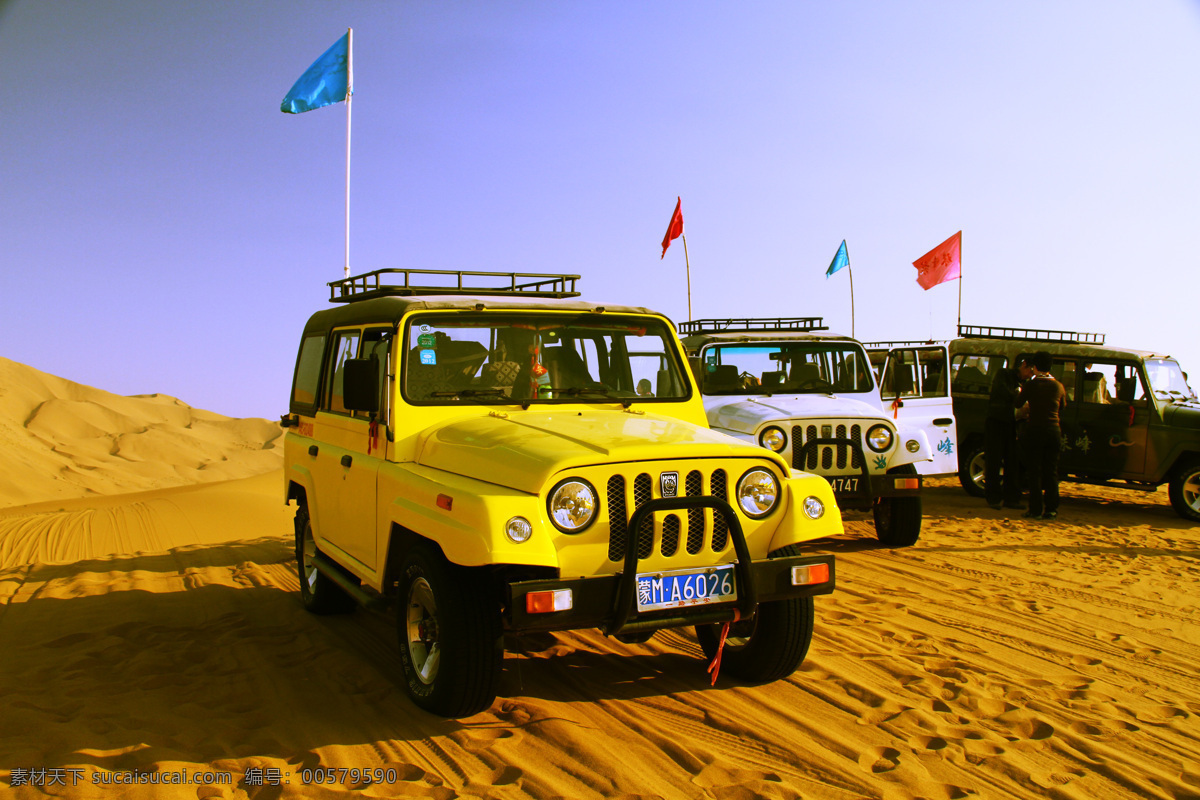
(698, 340)
(1098, 351)
(392, 309)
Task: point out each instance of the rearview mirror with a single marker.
(360, 384)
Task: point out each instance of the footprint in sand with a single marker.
(933, 743)
(477, 740)
(879, 759)
(504, 776)
(1163, 713)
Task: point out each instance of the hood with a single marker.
(748, 414)
(525, 449)
(1183, 414)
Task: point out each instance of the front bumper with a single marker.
(609, 602)
(860, 491)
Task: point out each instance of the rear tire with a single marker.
(768, 647)
(318, 594)
(898, 519)
(970, 473)
(1184, 491)
(451, 644)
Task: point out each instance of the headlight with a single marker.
(773, 439)
(879, 438)
(518, 530)
(572, 505)
(813, 507)
(758, 492)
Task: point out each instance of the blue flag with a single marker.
(326, 82)
(842, 259)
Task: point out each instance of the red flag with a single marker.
(941, 264)
(675, 229)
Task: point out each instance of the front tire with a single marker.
(451, 645)
(971, 471)
(318, 594)
(770, 646)
(1184, 491)
(898, 519)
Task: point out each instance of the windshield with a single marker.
(1166, 379)
(469, 358)
(785, 368)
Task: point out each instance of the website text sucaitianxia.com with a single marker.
(73, 776)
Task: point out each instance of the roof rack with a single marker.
(1030, 334)
(893, 345)
(745, 324)
(380, 284)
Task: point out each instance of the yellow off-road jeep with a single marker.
(498, 458)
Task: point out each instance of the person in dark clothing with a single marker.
(1000, 438)
(1046, 399)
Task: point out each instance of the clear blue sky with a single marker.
(164, 228)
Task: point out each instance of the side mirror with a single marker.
(360, 385)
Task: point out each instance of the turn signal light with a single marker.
(545, 602)
(908, 483)
(813, 573)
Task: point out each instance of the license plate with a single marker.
(844, 484)
(685, 587)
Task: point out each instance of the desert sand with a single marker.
(150, 623)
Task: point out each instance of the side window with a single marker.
(932, 366)
(345, 346)
(308, 371)
(377, 345)
(901, 379)
(1066, 372)
(973, 374)
(1111, 383)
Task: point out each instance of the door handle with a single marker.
(312, 449)
(943, 421)
(346, 460)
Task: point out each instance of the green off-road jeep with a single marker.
(475, 451)
(1131, 419)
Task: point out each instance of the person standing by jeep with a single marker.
(1046, 399)
(1000, 438)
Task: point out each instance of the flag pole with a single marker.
(349, 95)
(959, 324)
(850, 270)
(687, 264)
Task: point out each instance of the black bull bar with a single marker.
(609, 602)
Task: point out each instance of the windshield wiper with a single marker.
(469, 393)
(576, 391)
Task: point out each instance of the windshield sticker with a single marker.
(429, 357)
(427, 340)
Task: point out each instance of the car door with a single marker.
(1112, 419)
(915, 390)
(1074, 459)
(346, 464)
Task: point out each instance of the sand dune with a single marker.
(998, 658)
(62, 439)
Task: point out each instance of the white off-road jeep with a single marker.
(791, 386)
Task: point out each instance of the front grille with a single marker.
(827, 455)
(705, 527)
